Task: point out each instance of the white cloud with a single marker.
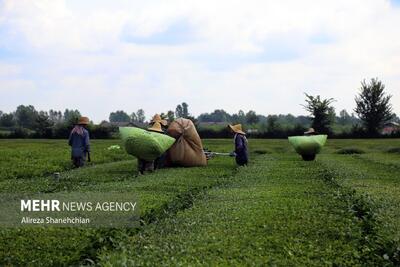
(259, 55)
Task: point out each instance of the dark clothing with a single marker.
(310, 134)
(144, 165)
(80, 146)
(242, 156)
(78, 161)
(160, 162)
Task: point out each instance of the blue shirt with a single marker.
(79, 144)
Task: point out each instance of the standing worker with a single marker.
(79, 142)
(240, 140)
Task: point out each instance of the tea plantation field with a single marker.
(341, 210)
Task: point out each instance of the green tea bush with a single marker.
(35, 158)
(276, 211)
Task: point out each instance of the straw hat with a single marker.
(156, 127)
(310, 131)
(157, 118)
(83, 120)
(237, 128)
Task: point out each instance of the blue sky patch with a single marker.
(395, 2)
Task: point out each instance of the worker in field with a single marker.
(79, 142)
(310, 132)
(157, 125)
(241, 143)
(163, 123)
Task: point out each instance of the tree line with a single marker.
(373, 109)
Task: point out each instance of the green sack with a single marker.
(308, 145)
(144, 144)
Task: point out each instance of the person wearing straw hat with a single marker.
(80, 143)
(240, 141)
(310, 131)
(157, 118)
(143, 165)
(159, 162)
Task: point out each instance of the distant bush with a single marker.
(61, 130)
(213, 133)
(350, 150)
(19, 132)
(101, 132)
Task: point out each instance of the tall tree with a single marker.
(272, 123)
(140, 115)
(26, 116)
(240, 117)
(322, 113)
(134, 117)
(179, 111)
(251, 117)
(344, 117)
(185, 110)
(119, 116)
(55, 116)
(43, 124)
(373, 106)
(71, 116)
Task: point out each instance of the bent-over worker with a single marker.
(310, 132)
(144, 165)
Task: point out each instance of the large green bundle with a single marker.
(308, 145)
(144, 144)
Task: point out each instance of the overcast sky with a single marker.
(101, 55)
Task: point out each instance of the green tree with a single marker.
(344, 117)
(134, 117)
(26, 116)
(322, 113)
(55, 116)
(71, 116)
(251, 117)
(7, 120)
(272, 123)
(218, 115)
(43, 125)
(185, 110)
(179, 111)
(240, 117)
(373, 106)
(140, 115)
(119, 116)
